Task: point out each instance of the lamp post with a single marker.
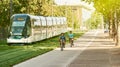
(73, 9)
(11, 7)
(52, 8)
(72, 20)
(52, 19)
(66, 9)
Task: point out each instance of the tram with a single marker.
(26, 28)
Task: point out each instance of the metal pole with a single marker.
(52, 20)
(52, 8)
(72, 19)
(66, 9)
(10, 7)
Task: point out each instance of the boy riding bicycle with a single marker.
(62, 40)
(71, 38)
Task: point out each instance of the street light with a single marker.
(52, 8)
(10, 7)
(66, 9)
(73, 9)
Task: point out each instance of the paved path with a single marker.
(90, 50)
(97, 54)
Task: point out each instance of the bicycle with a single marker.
(62, 45)
(71, 42)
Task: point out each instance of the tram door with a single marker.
(43, 27)
(49, 27)
(37, 29)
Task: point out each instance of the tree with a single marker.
(95, 21)
(34, 7)
(111, 12)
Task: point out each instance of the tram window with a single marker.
(17, 29)
(18, 23)
(37, 23)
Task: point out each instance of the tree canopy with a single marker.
(95, 21)
(34, 7)
(111, 12)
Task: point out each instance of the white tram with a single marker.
(27, 28)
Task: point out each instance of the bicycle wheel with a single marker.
(62, 46)
(71, 41)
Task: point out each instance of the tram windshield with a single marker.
(18, 25)
(17, 30)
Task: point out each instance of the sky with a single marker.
(86, 14)
(67, 2)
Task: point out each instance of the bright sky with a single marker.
(67, 2)
(86, 14)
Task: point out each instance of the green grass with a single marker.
(11, 55)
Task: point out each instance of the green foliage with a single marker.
(34, 7)
(94, 21)
(4, 13)
(76, 23)
(111, 12)
(107, 7)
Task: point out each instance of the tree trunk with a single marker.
(3, 33)
(118, 34)
(110, 28)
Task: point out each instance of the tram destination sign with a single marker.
(20, 19)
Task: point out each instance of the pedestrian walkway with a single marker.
(96, 55)
(93, 49)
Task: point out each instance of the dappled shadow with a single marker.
(95, 57)
(92, 41)
(97, 37)
(96, 43)
(92, 57)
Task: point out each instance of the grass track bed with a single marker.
(21, 57)
(9, 51)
